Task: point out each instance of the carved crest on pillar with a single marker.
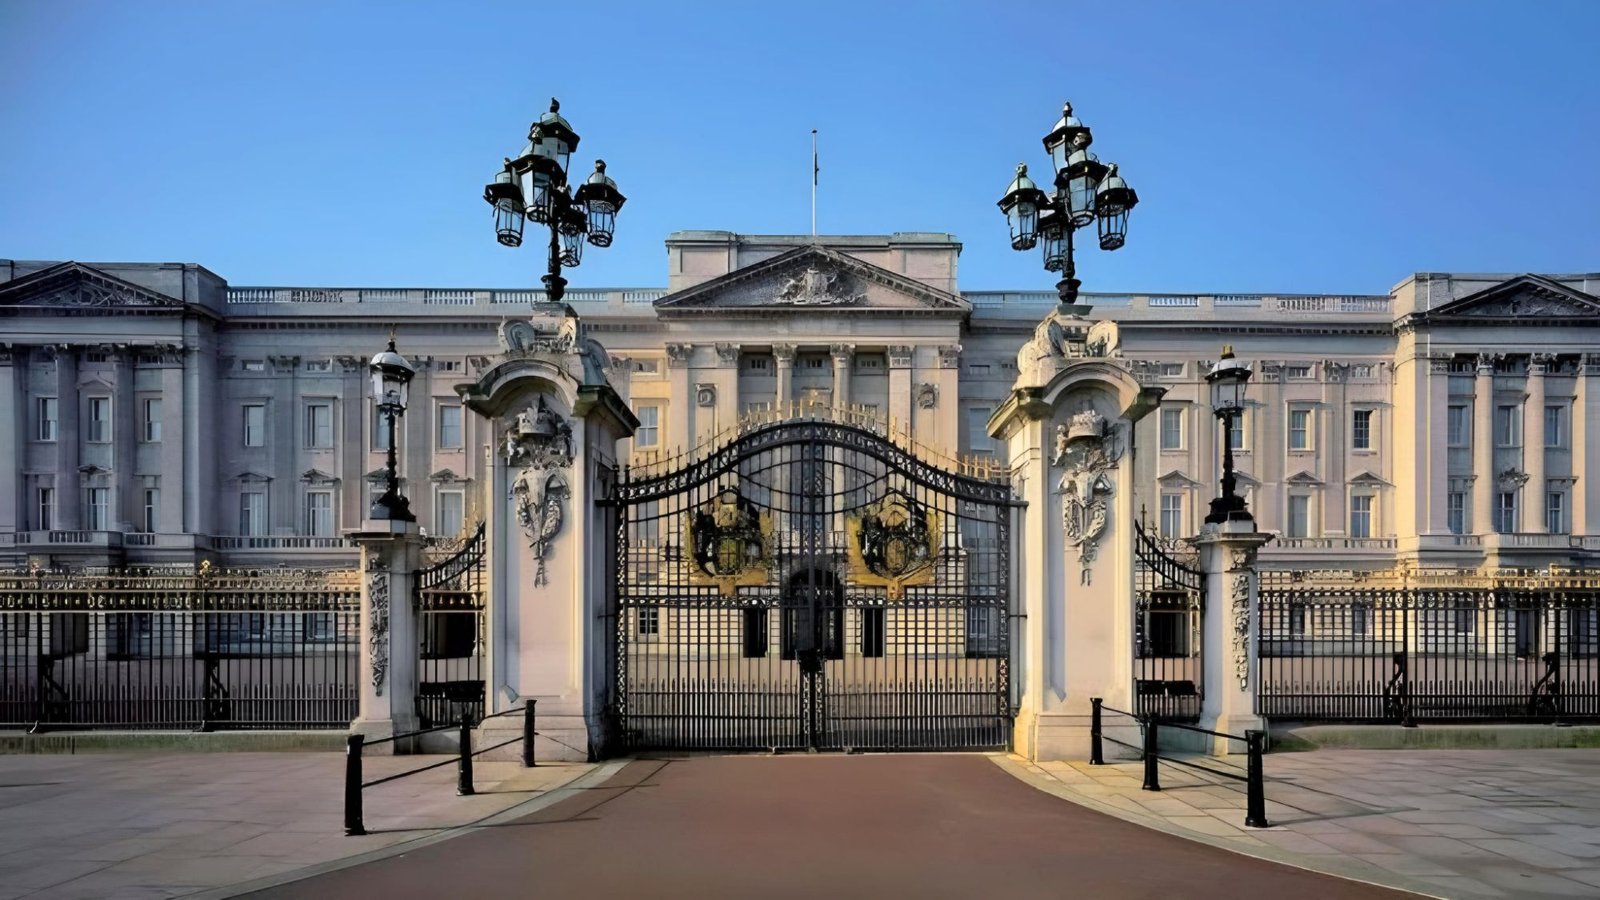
(927, 395)
(378, 618)
(538, 443)
(1087, 447)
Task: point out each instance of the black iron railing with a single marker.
(356, 744)
(1527, 649)
(1150, 752)
(1169, 601)
(152, 648)
(451, 636)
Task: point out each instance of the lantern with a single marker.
(503, 194)
(1061, 140)
(1053, 228)
(553, 139)
(391, 379)
(1021, 205)
(1112, 203)
(1080, 178)
(1227, 382)
(602, 201)
(572, 223)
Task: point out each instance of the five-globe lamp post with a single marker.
(1086, 191)
(391, 386)
(1228, 382)
(534, 187)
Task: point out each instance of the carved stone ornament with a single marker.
(539, 438)
(540, 515)
(1087, 447)
(728, 355)
(949, 356)
(1240, 610)
(378, 619)
(705, 395)
(1511, 479)
(1055, 340)
(894, 544)
(546, 334)
(819, 285)
(730, 543)
(678, 355)
(900, 356)
(927, 395)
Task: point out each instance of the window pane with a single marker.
(255, 425)
(1299, 516)
(450, 512)
(319, 426)
(1554, 427)
(1172, 515)
(978, 429)
(1458, 426)
(47, 418)
(649, 433)
(1456, 512)
(152, 504)
(1172, 429)
(1555, 520)
(450, 427)
(1361, 430)
(1299, 429)
(152, 421)
(1361, 517)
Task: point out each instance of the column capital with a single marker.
(900, 356)
(841, 353)
(783, 353)
(1486, 362)
(727, 355)
(1439, 365)
(1540, 363)
(949, 356)
(678, 355)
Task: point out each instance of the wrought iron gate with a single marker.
(1168, 605)
(812, 584)
(450, 636)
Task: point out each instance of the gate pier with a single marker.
(1231, 626)
(391, 553)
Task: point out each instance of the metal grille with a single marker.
(1168, 605)
(179, 649)
(1382, 647)
(450, 636)
(812, 584)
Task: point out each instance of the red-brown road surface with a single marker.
(820, 826)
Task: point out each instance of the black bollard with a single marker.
(1152, 774)
(528, 732)
(464, 769)
(1255, 814)
(353, 824)
(1096, 757)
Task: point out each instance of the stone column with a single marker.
(69, 488)
(391, 553)
(283, 442)
(1586, 444)
(727, 382)
(899, 410)
(842, 354)
(1435, 487)
(14, 507)
(946, 435)
(1230, 630)
(680, 411)
(783, 358)
(1483, 447)
(127, 499)
(1533, 445)
(174, 444)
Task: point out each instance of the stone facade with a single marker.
(158, 414)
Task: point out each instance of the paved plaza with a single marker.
(1468, 823)
(136, 826)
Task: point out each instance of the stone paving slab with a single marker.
(161, 825)
(1447, 823)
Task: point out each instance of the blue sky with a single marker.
(1279, 146)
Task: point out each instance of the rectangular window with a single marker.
(1299, 429)
(152, 510)
(1299, 516)
(319, 513)
(1466, 620)
(99, 509)
(1361, 516)
(151, 408)
(1169, 369)
(1361, 370)
(452, 512)
(380, 429)
(978, 429)
(647, 366)
(99, 420)
(253, 365)
(756, 363)
(47, 417)
(1508, 426)
(1297, 371)
(978, 368)
(1361, 430)
(252, 513)
(1358, 621)
(649, 433)
(755, 631)
(1459, 426)
(874, 631)
(1555, 426)
(319, 426)
(1456, 512)
(47, 508)
(450, 427)
(255, 425)
(1505, 512)
(1555, 513)
(1172, 429)
(1172, 515)
(649, 621)
(1236, 432)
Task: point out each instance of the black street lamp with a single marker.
(1086, 191)
(391, 380)
(1227, 382)
(534, 186)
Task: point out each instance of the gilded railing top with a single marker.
(1553, 577)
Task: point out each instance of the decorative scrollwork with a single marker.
(730, 543)
(541, 516)
(378, 617)
(1086, 447)
(894, 544)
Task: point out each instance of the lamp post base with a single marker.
(554, 287)
(1228, 509)
(393, 507)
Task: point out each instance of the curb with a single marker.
(596, 776)
(1363, 873)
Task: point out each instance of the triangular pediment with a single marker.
(1302, 478)
(317, 476)
(249, 477)
(1369, 479)
(1176, 478)
(447, 476)
(807, 280)
(1526, 298)
(72, 287)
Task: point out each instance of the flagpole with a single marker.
(814, 172)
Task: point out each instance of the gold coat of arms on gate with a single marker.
(894, 544)
(729, 542)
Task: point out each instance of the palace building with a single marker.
(158, 414)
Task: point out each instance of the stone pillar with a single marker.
(842, 354)
(680, 412)
(126, 496)
(899, 410)
(391, 553)
(1483, 447)
(1230, 630)
(726, 380)
(17, 419)
(1435, 486)
(1586, 444)
(174, 443)
(69, 488)
(1533, 445)
(783, 358)
(283, 440)
(946, 435)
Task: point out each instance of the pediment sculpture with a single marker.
(1087, 447)
(819, 286)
